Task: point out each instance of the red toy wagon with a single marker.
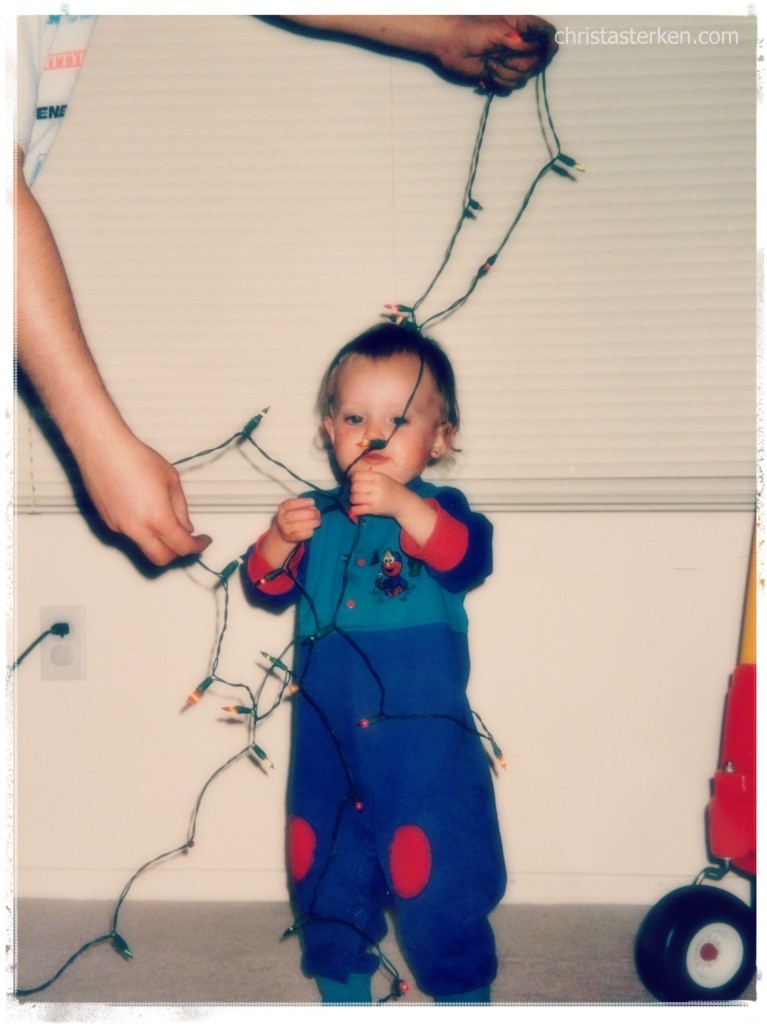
(698, 943)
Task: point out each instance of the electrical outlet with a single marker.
(63, 657)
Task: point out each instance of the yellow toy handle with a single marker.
(747, 654)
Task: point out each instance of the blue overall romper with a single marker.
(391, 800)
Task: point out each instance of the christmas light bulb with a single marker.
(269, 577)
(251, 425)
(122, 946)
(261, 755)
(486, 266)
(195, 696)
(227, 571)
(570, 162)
(562, 171)
(295, 926)
(276, 662)
(499, 755)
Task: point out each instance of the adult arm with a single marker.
(135, 491)
(502, 50)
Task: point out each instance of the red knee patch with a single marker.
(302, 842)
(410, 861)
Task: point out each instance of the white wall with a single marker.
(601, 648)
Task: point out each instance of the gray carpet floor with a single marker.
(233, 953)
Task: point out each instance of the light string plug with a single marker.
(60, 629)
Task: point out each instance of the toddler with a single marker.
(391, 801)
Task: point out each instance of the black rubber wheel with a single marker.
(698, 944)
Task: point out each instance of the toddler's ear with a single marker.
(443, 440)
(325, 432)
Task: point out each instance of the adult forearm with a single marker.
(51, 346)
(133, 488)
(502, 51)
(418, 33)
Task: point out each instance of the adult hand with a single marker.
(137, 493)
(502, 51)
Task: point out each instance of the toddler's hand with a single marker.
(297, 519)
(373, 493)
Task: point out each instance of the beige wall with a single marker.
(227, 224)
(601, 650)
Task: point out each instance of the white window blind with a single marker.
(233, 202)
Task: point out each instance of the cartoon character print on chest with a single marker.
(391, 572)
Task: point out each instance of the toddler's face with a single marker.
(370, 398)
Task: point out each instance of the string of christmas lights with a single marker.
(290, 685)
(558, 162)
